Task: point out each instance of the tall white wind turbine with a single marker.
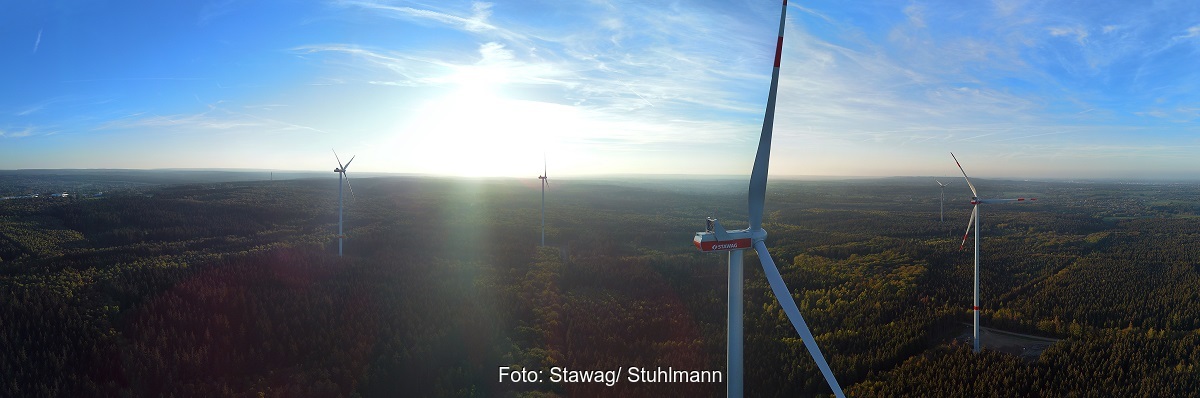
(545, 181)
(341, 170)
(716, 238)
(975, 202)
(942, 204)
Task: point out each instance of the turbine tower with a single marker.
(545, 181)
(942, 204)
(341, 170)
(715, 239)
(976, 201)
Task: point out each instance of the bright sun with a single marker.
(475, 131)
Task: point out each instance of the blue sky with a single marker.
(1022, 89)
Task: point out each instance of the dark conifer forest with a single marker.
(213, 289)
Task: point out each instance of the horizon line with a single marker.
(372, 174)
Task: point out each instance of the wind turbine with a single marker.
(716, 239)
(976, 201)
(545, 181)
(341, 170)
(942, 204)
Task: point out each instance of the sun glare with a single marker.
(479, 79)
(475, 131)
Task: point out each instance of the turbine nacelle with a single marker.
(342, 167)
(545, 171)
(716, 239)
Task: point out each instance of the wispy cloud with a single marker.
(916, 15)
(215, 119)
(1078, 32)
(1191, 32)
(15, 133)
(596, 61)
(266, 107)
(476, 20)
(401, 69)
(37, 42)
(38, 107)
(213, 10)
(31, 110)
(812, 12)
(132, 79)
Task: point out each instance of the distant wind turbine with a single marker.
(341, 170)
(545, 181)
(976, 201)
(716, 238)
(942, 205)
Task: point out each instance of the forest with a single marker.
(235, 288)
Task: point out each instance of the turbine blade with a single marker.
(974, 210)
(793, 313)
(348, 162)
(758, 176)
(544, 173)
(348, 180)
(335, 156)
(976, 194)
(939, 182)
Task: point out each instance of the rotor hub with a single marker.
(758, 235)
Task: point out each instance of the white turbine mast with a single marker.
(942, 204)
(545, 181)
(975, 202)
(341, 170)
(715, 239)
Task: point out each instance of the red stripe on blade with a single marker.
(778, 50)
